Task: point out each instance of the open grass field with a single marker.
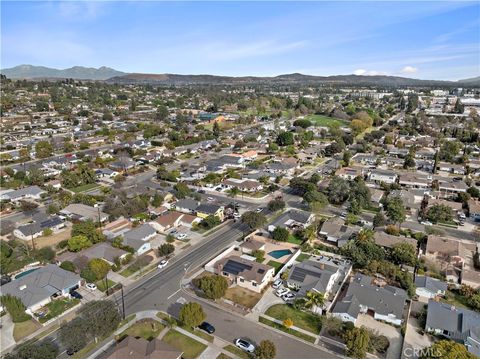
(23, 329)
(286, 330)
(84, 188)
(191, 348)
(325, 121)
(243, 296)
(147, 329)
(304, 320)
(57, 307)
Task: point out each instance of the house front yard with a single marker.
(242, 296)
(301, 319)
(147, 329)
(102, 284)
(57, 307)
(23, 329)
(190, 347)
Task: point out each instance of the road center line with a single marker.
(171, 295)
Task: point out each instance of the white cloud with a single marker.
(409, 70)
(363, 72)
(360, 72)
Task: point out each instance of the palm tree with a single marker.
(234, 192)
(314, 299)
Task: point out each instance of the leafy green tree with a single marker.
(216, 129)
(280, 234)
(213, 286)
(379, 220)
(45, 254)
(285, 139)
(99, 267)
(74, 334)
(210, 221)
(439, 213)
(302, 123)
(254, 220)
(89, 275)
(276, 205)
(181, 190)
(404, 253)
(347, 156)
(161, 113)
(265, 350)
(409, 161)
(446, 349)
(52, 209)
(67, 265)
(102, 317)
(357, 341)
(77, 243)
(42, 350)
(314, 299)
(192, 315)
(15, 308)
(166, 249)
(87, 229)
(43, 149)
(395, 210)
(338, 190)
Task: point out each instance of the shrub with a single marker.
(67, 265)
(89, 275)
(15, 308)
(213, 286)
(393, 230)
(280, 234)
(165, 249)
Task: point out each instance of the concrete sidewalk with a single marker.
(6, 332)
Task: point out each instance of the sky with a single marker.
(426, 40)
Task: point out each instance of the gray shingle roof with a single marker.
(139, 233)
(310, 275)
(432, 284)
(40, 284)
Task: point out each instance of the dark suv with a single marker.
(210, 329)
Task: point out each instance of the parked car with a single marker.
(210, 199)
(75, 295)
(181, 236)
(288, 297)
(277, 284)
(210, 329)
(343, 215)
(91, 286)
(70, 351)
(426, 223)
(162, 264)
(282, 291)
(245, 345)
(237, 215)
(258, 210)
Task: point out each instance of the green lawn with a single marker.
(303, 256)
(200, 333)
(286, 330)
(57, 307)
(101, 285)
(147, 329)
(23, 329)
(321, 120)
(191, 348)
(456, 299)
(237, 351)
(84, 188)
(304, 320)
(294, 239)
(276, 265)
(126, 320)
(223, 356)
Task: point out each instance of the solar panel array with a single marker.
(234, 267)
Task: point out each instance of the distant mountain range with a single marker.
(113, 76)
(76, 72)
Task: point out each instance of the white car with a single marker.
(288, 297)
(91, 286)
(245, 345)
(237, 215)
(162, 264)
(181, 236)
(426, 223)
(258, 210)
(210, 199)
(281, 292)
(277, 284)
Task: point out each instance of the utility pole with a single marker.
(123, 304)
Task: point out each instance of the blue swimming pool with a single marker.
(279, 253)
(23, 274)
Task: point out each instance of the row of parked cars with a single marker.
(283, 292)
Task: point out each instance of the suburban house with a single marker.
(415, 180)
(459, 324)
(311, 275)
(189, 220)
(292, 219)
(349, 173)
(474, 209)
(82, 212)
(210, 209)
(335, 231)
(106, 173)
(244, 185)
(250, 244)
(32, 192)
(245, 273)
(35, 229)
(117, 228)
(166, 221)
(139, 348)
(389, 241)
(379, 176)
(429, 287)
(186, 206)
(365, 296)
(138, 238)
(101, 250)
(41, 286)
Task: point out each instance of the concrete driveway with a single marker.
(392, 333)
(6, 337)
